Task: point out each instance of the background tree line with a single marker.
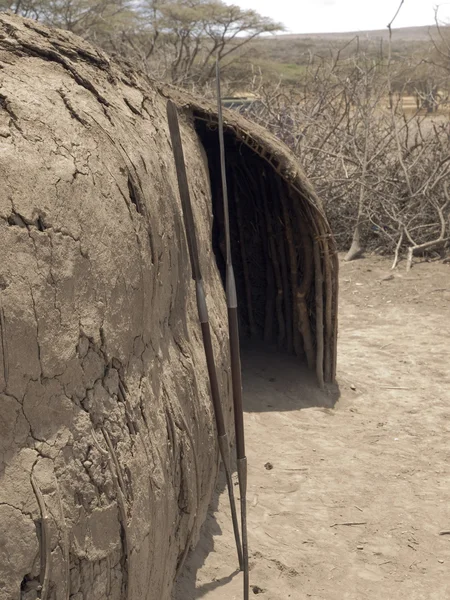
(176, 40)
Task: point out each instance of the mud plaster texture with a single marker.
(105, 413)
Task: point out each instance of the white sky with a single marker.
(323, 16)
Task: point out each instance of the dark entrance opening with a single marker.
(271, 246)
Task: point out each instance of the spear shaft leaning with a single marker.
(189, 226)
(236, 375)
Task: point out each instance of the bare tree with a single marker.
(379, 168)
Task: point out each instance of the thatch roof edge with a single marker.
(271, 148)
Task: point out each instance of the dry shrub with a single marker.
(377, 167)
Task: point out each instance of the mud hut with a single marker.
(108, 456)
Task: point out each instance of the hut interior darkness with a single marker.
(279, 281)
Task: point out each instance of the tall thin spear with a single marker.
(236, 376)
(189, 225)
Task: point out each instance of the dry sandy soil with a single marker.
(377, 457)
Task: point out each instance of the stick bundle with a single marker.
(285, 263)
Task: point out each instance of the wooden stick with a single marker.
(438, 241)
(261, 225)
(241, 192)
(318, 284)
(275, 263)
(287, 296)
(397, 249)
(113, 454)
(349, 524)
(305, 286)
(198, 490)
(235, 356)
(121, 502)
(250, 187)
(123, 397)
(270, 289)
(45, 539)
(114, 469)
(409, 259)
(335, 314)
(244, 261)
(292, 255)
(395, 388)
(328, 313)
(4, 342)
(66, 545)
(194, 256)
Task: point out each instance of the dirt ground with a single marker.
(348, 500)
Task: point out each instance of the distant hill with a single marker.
(412, 34)
(287, 55)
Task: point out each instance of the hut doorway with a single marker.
(279, 279)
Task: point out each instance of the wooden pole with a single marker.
(318, 283)
(236, 375)
(189, 225)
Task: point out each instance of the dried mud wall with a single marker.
(107, 444)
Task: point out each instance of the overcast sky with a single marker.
(323, 16)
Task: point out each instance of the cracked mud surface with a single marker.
(379, 458)
(101, 362)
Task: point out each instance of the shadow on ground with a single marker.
(272, 382)
(185, 587)
(279, 382)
